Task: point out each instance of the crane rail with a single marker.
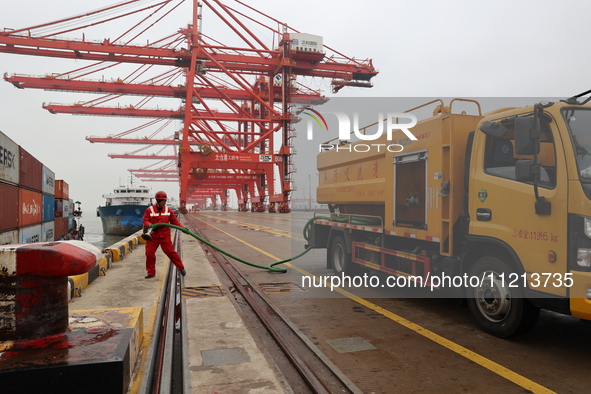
(168, 364)
(304, 367)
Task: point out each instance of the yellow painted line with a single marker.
(269, 218)
(244, 242)
(492, 366)
(454, 347)
(271, 230)
(258, 227)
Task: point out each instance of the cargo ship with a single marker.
(34, 205)
(124, 210)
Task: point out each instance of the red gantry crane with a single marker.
(237, 99)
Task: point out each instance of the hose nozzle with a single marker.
(147, 236)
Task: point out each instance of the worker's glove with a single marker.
(146, 228)
(185, 230)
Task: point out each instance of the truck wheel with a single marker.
(340, 259)
(498, 308)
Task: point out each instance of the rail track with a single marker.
(168, 366)
(304, 367)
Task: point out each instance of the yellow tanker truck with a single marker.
(497, 204)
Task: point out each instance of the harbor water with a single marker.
(93, 232)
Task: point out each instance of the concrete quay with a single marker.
(223, 355)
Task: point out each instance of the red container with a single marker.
(59, 208)
(30, 208)
(66, 224)
(60, 228)
(31, 171)
(9, 198)
(62, 190)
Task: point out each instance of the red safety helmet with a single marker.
(161, 196)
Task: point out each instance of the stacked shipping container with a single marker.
(62, 208)
(34, 206)
(9, 190)
(47, 226)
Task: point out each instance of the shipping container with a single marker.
(30, 208)
(9, 160)
(71, 221)
(31, 171)
(65, 225)
(30, 234)
(67, 208)
(9, 198)
(9, 237)
(48, 208)
(48, 181)
(48, 232)
(58, 230)
(59, 208)
(62, 190)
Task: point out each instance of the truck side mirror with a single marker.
(525, 170)
(527, 142)
(524, 143)
(493, 129)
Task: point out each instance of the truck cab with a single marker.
(529, 208)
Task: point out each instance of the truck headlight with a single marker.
(587, 227)
(579, 242)
(584, 257)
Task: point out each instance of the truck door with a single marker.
(503, 209)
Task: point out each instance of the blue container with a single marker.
(59, 207)
(48, 208)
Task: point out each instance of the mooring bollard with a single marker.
(34, 286)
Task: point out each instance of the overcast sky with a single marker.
(421, 48)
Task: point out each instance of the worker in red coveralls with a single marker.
(160, 213)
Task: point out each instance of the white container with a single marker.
(48, 232)
(48, 181)
(68, 208)
(30, 234)
(9, 237)
(306, 42)
(9, 160)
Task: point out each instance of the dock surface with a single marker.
(380, 342)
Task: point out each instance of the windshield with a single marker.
(579, 124)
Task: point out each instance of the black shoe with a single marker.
(150, 276)
(183, 272)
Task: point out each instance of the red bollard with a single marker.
(34, 286)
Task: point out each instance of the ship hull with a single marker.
(122, 219)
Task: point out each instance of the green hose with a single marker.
(270, 267)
